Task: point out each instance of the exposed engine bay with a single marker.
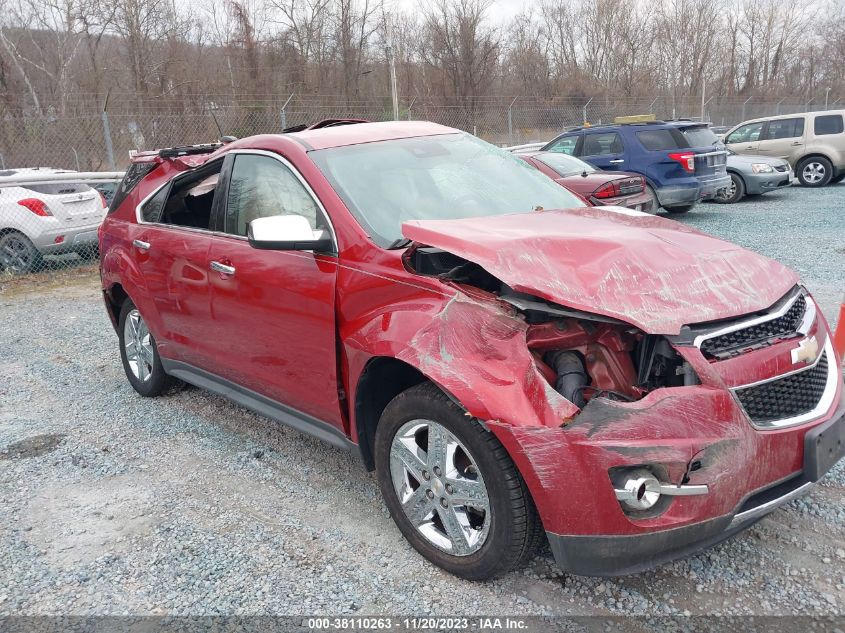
(581, 355)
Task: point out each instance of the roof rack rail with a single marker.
(189, 150)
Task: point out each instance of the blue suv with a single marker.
(682, 161)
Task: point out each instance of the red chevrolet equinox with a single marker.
(515, 367)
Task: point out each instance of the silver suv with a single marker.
(812, 142)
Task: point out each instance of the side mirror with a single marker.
(287, 233)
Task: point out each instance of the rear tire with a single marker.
(18, 255)
(496, 530)
(680, 209)
(732, 194)
(815, 171)
(139, 353)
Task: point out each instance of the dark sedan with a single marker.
(597, 187)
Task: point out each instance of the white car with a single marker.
(46, 219)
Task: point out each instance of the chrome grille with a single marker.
(786, 397)
(731, 343)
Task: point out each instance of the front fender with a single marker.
(475, 349)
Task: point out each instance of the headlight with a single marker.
(761, 168)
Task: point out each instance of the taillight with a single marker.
(607, 190)
(686, 159)
(38, 207)
(623, 187)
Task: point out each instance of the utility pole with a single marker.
(703, 92)
(826, 95)
(391, 61)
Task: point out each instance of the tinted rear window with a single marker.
(828, 124)
(664, 139)
(134, 174)
(699, 136)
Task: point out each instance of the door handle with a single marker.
(222, 268)
(618, 161)
(144, 246)
(796, 142)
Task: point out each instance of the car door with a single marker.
(273, 312)
(745, 139)
(604, 150)
(170, 245)
(782, 138)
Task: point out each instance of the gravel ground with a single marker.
(187, 504)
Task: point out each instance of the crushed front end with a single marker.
(680, 441)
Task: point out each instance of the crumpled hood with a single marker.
(654, 273)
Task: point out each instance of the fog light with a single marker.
(637, 489)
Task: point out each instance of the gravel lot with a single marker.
(187, 504)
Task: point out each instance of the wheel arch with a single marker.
(382, 379)
(115, 296)
(813, 155)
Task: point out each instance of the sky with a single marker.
(500, 12)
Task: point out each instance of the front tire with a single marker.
(815, 171)
(139, 353)
(732, 194)
(451, 487)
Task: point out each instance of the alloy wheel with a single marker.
(16, 255)
(729, 192)
(139, 346)
(440, 487)
(813, 173)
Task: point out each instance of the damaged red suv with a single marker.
(515, 367)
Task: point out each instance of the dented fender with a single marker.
(473, 349)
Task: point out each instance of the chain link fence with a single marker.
(46, 224)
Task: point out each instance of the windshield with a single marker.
(564, 164)
(387, 183)
(700, 136)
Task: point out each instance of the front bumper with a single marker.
(756, 184)
(616, 555)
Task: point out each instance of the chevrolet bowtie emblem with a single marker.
(807, 351)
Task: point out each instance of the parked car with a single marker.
(46, 219)
(678, 159)
(598, 187)
(754, 175)
(812, 142)
(509, 362)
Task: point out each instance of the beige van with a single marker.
(812, 142)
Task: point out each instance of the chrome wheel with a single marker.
(440, 487)
(813, 173)
(139, 346)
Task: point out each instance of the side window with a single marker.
(154, 208)
(828, 124)
(186, 201)
(654, 140)
(745, 134)
(564, 146)
(261, 186)
(602, 144)
(785, 128)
